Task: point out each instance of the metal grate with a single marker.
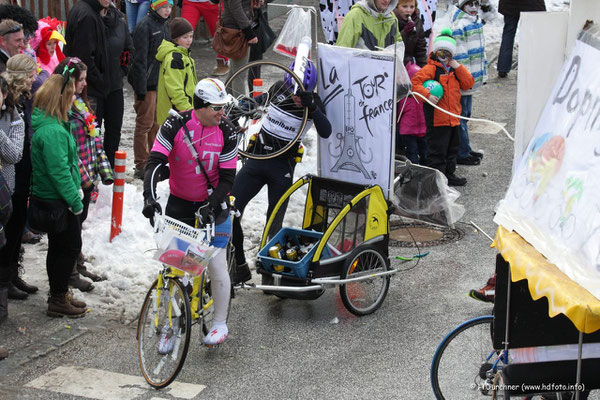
(405, 234)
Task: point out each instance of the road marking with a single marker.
(105, 385)
(485, 127)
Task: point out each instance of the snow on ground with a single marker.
(127, 263)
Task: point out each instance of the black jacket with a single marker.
(86, 38)
(120, 47)
(148, 34)
(415, 45)
(514, 7)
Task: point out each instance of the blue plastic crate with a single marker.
(291, 268)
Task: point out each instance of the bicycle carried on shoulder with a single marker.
(179, 298)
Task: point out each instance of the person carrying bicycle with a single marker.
(284, 114)
(200, 163)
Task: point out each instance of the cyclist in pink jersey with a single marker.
(196, 187)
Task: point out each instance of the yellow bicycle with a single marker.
(179, 298)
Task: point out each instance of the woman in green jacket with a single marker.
(177, 77)
(56, 185)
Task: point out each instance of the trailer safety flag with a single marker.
(357, 88)
(553, 200)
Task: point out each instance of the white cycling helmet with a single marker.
(210, 91)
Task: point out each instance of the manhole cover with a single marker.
(412, 234)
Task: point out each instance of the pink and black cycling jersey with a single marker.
(216, 147)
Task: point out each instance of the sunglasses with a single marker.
(216, 108)
(14, 29)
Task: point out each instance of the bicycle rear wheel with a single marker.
(164, 330)
(248, 114)
(460, 363)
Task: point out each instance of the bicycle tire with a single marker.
(160, 369)
(240, 117)
(458, 365)
(364, 297)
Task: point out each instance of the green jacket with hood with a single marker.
(176, 80)
(54, 159)
(365, 28)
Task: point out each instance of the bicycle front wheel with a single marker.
(248, 114)
(460, 363)
(164, 331)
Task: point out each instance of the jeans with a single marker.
(415, 148)
(278, 175)
(9, 254)
(110, 110)
(135, 12)
(63, 250)
(464, 149)
(508, 41)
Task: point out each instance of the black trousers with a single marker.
(63, 250)
(110, 111)
(442, 148)
(278, 175)
(9, 254)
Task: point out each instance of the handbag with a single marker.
(263, 31)
(231, 42)
(50, 216)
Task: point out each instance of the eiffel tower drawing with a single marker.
(349, 158)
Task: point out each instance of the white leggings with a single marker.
(220, 285)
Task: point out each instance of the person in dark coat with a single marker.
(86, 39)
(411, 29)
(143, 77)
(511, 9)
(119, 50)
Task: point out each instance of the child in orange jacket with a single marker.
(442, 128)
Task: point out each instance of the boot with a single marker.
(74, 302)
(3, 303)
(59, 306)
(20, 283)
(241, 273)
(16, 294)
(82, 269)
(222, 67)
(78, 282)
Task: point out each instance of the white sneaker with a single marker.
(217, 335)
(166, 342)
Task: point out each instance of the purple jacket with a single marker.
(412, 119)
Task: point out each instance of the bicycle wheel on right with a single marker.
(461, 361)
(249, 110)
(164, 331)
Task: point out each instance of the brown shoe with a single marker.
(59, 306)
(78, 282)
(82, 269)
(222, 68)
(75, 302)
(3, 353)
(24, 286)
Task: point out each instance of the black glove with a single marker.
(307, 99)
(151, 207)
(205, 214)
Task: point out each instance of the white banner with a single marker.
(554, 198)
(357, 89)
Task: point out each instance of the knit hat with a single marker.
(445, 41)
(179, 27)
(156, 4)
